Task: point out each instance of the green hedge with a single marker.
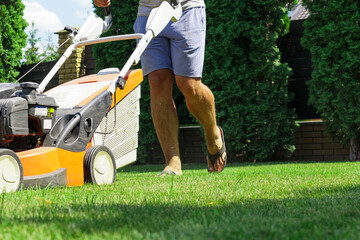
(244, 70)
(12, 38)
(332, 33)
(242, 67)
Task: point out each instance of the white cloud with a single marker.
(44, 20)
(82, 14)
(84, 3)
(86, 7)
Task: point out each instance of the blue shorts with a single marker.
(179, 47)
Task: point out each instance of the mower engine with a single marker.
(25, 116)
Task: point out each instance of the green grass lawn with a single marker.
(246, 201)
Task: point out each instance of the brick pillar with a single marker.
(74, 65)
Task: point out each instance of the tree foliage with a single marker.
(32, 54)
(12, 38)
(332, 33)
(51, 50)
(242, 67)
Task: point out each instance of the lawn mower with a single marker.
(82, 130)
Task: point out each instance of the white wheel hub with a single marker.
(10, 174)
(103, 168)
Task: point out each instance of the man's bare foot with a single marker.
(169, 173)
(173, 167)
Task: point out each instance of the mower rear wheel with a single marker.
(11, 171)
(99, 165)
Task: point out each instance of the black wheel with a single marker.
(99, 165)
(11, 171)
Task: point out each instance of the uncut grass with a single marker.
(246, 201)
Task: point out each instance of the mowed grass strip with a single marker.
(246, 201)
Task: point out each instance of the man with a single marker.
(178, 51)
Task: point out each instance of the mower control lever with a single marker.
(71, 30)
(121, 83)
(174, 3)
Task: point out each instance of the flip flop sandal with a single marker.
(222, 150)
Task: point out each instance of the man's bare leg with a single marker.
(164, 116)
(200, 102)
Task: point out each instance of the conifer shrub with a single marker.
(332, 33)
(249, 82)
(12, 38)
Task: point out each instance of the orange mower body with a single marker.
(85, 136)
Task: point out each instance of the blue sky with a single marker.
(51, 16)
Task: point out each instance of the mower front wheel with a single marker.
(99, 165)
(11, 171)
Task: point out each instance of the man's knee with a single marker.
(190, 87)
(160, 81)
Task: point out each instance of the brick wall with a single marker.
(191, 141)
(314, 144)
(311, 141)
(74, 65)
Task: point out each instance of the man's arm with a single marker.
(102, 3)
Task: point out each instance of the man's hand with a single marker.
(102, 3)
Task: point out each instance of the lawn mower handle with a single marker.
(108, 17)
(158, 19)
(107, 11)
(91, 29)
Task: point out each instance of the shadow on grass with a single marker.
(334, 216)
